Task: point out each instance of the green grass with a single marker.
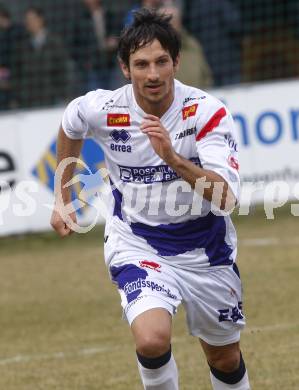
(60, 314)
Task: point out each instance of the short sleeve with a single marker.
(217, 145)
(77, 116)
(74, 122)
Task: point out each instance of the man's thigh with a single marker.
(213, 303)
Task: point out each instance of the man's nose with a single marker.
(153, 74)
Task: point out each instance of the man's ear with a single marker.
(125, 69)
(176, 63)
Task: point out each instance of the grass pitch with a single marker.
(60, 317)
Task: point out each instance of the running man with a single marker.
(170, 148)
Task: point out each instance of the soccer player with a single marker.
(170, 149)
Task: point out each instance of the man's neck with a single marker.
(155, 108)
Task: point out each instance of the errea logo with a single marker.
(120, 137)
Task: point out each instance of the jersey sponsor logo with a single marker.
(120, 135)
(137, 285)
(121, 148)
(150, 264)
(132, 279)
(118, 120)
(185, 133)
(232, 315)
(189, 111)
(110, 104)
(233, 162)
(150, 174)
(147, 175)
(232, 143)
(123, 137)
(190, 99)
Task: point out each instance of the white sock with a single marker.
(242, 385)
(163, 378)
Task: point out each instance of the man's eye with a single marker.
(141, 64)
(163, 61)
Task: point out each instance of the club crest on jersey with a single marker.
(120, 120)
(189, 111)
(150, 264)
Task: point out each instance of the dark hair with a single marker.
(147, 26)
(4, 12)
(36, 10)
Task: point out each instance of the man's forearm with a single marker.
(214, 188)
(66, 147)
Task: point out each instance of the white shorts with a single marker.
(212, 297)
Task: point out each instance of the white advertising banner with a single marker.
(27, 167)
(266, 117)
(267, 120)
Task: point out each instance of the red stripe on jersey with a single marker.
(212, 123)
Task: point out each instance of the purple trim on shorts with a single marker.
(236, 270)
(127, 274)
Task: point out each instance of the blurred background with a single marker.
(53, 50)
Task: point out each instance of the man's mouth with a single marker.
(154, 87)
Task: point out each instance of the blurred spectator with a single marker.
(41, 69)
(93, 41)
(217, 25)
(193, 69)
(270, 55)
(154, 4)
(10, 36)
(270, 46)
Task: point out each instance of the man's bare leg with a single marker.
(227, 367)
(152, 334)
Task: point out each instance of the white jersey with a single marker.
(152, 208)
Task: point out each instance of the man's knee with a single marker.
(228, 362)
(152, 333)
(232, 377)
(225, 359)
(153, 343)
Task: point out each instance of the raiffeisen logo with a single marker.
(88, 181)
(118, 120)
(189, 111)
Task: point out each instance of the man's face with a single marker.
(92, 3)
(33, 22)
(151, 71)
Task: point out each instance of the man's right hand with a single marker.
(61, 223)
